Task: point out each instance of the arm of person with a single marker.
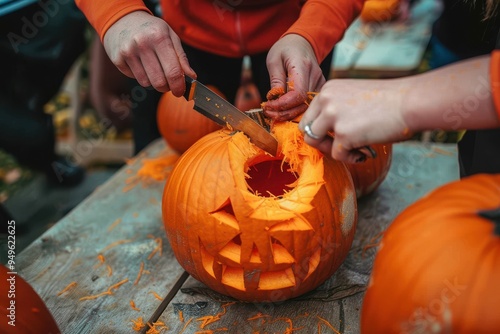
(140, 45)
(363, 111)
(293, 61)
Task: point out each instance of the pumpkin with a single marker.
(179, 124)
(247, 96)
(438, 265)
(380, 10)
(256, 227)
(368, 175)
(22, 309)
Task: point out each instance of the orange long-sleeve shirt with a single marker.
(235, 28)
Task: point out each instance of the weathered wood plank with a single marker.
(69, 252)
(416, 170)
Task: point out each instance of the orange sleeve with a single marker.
(495, 79)
(102, 14)
(323, 23)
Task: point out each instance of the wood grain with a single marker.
(69, 252)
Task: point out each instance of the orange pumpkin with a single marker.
(368, 175)
(22, 310)
(380, 10)
(179, 124)
(257, 227)
(438, 266)
(247, 97)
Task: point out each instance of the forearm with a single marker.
(323, 23)
(454, 97)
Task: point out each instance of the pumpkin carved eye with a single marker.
(256, 227)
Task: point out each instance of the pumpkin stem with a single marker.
(494, 216)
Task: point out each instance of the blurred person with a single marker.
(39, 42)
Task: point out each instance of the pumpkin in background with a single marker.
(380, 10)
(179, 124)
(247, 96)
(30, 313)
(438, 266)
(256, 227)
(368, 175)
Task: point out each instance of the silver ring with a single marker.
(309, 133)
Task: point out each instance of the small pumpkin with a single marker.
(368, 175)
(247, 96)
(438, 265)
(256, 227)
(380, 10)
(179, 124)
(22, 309)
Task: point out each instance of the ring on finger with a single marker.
(309, 133)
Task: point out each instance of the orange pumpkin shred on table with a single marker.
(438, 266)
(258, 227)
(30, 315)
(179, 124)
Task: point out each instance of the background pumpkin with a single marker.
(31, 314)
(229, 232)
(247, 96)
(368, 175)
(179, 124)
(380, 10)
(438, 266)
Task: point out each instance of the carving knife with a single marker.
(224, 113)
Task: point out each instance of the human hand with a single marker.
(293, 66)
(359, 113)
(144, 47)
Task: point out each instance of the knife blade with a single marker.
(222, 112)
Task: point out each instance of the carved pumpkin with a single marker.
(28, 313)
(258, 227)
(380, 10)
(179, 124)
(438, 266)
(368, 175)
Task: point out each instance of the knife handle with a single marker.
(190, 83)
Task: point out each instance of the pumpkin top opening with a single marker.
(493, 216)
(271, 178)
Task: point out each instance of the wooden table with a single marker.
(96, 253)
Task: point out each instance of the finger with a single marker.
(286, 115)
(286, 102)
(125, 69)
(277, 73)
(310, 114)
(155, 70)
(182, 57)
(324, 145)
(138, 71)
(171, 65)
